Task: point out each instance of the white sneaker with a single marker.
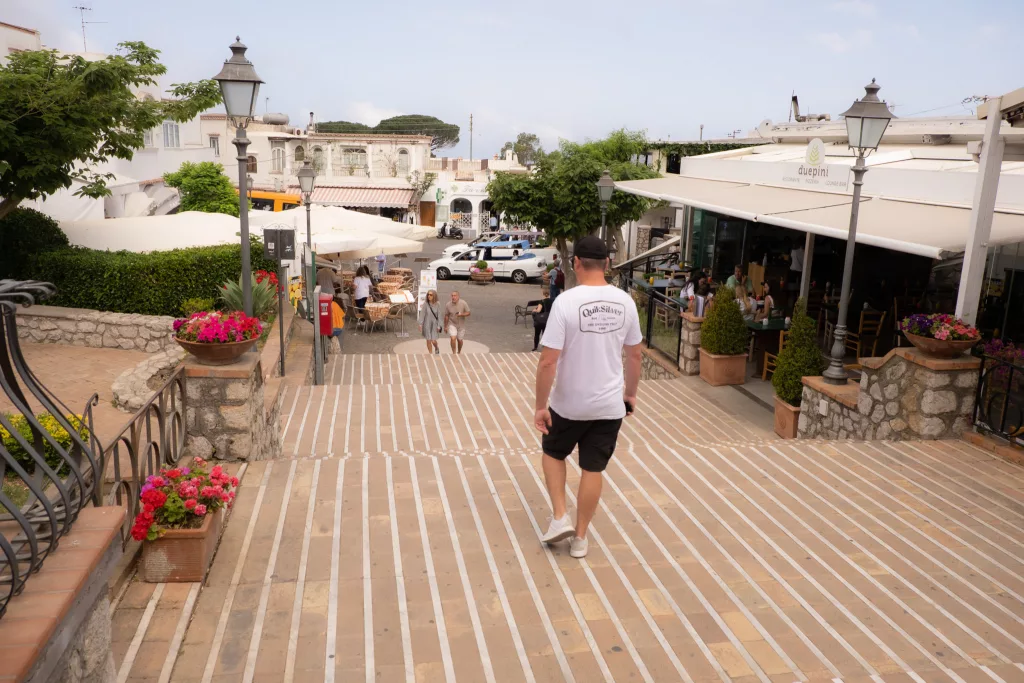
(558, 530)
(578, 547)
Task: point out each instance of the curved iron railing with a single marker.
(46, 479)
(999, 402)
(153, 438)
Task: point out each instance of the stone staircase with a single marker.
(397, 541)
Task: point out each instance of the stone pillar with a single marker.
(904, 395)
(643, 238)
(689, 344)
(226, 417)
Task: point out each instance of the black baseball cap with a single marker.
(590, 246)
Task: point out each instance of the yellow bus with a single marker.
(277, 201)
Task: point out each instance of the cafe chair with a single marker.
(526, 312)
(868, 331)
(771, 360)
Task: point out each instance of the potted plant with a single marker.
(180, 520)
(217, 338)
(939, 335)
(481, 273)
(723, 343)
(799, 358)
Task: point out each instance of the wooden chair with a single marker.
(868, 331)
(772, 359)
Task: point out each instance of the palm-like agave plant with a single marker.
(262, 297)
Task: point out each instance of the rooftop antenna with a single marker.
(266, 105)
(82, 9)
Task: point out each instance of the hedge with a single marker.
(152, 284)
(25, 233)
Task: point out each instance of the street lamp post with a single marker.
(239, 87)
(605, 188)
(866, 121)
(307, 180)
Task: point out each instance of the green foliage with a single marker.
(444, 134)
(173, 509)
(51, 425)
(23, 233)
(561, 196)
(723, 331)
(60, 115)
(526, 147)
(799, 358)
(204, 187)
(481, 264)
(152, 284)
(196, 305)
(264, 298)
(692, 149)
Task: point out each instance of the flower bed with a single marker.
(53, 427)
(217, 328)
(939, 326)
(181, 498)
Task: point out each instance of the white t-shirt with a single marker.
(362, 287)
(796, 259)
(590, 325)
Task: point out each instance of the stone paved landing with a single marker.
(718, 555)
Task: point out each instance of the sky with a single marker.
(566, 68)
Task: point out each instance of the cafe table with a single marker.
(760, 334)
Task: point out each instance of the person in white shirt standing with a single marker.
(587, 329)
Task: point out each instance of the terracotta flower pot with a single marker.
(940, 348)
(482, 277)
(182, 554)
(718, 370)
(787, 419)
(216, 354)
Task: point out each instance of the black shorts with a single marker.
(595, 438)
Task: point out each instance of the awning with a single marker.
(670, 242)
(363, 197)
(929, 230)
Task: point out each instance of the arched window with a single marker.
(319, 163)
(250, 164)
(461, 205)
(403, 161)
(300, 154)
(354, 156)
(277, 155)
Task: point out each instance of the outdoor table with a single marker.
(393, 277)
(400, 271)
(387, 288)
(377, 311)
(665, 284)
(761, 333)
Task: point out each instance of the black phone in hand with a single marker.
(629, 407)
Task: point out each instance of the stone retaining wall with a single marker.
(97, 329)
(689, 344)
(904, 395)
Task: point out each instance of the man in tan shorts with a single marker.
(455, 313)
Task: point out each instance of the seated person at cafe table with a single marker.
(748, 304)
(736, 279)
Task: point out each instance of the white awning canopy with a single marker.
(925, 229)
(664, 246)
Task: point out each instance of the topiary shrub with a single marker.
(799, 358)
(25, 233)
(723, 331)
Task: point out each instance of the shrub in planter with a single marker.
(723, 332)
(196, 305)
(53, 427)
(799, 358)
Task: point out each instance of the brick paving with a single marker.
(397, 541)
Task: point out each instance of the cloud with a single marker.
(858, 7)
(839, 44)
(368, 113)
(913, 32)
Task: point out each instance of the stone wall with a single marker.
(643, 239)
(135, 386)
(904, 395)
(226, 417)
(98, 329)
(689, 344)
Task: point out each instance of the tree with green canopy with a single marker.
(526, 148)
(204, 187)
(444, 134)
(560, 197)
(62, 116)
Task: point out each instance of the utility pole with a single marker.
(82, 9)
(471, 137)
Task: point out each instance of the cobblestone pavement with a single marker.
(397, 540)
(492, 322)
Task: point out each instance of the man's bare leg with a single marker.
(460, 346)
(587, 498)
(554, 477)
(453, 339)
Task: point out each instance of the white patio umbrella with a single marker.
(154, 233)
(381, 244)
(323, 218)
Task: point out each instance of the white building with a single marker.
(460, 189)
(17, 39)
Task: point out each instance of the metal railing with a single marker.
(153, 438)
(49, 472)
(999, 401)
(659, 318)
